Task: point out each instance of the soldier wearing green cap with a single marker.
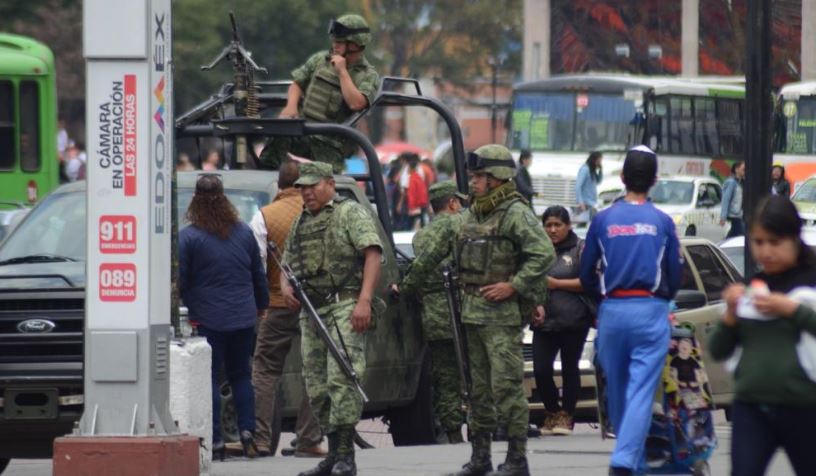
(425, 278)
(502, 255)
(340, 284)
(328, 88)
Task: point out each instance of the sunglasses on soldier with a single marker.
(477, 162)
(338, 30)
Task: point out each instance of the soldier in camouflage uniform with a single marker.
(328, 88)
(503, 256)
(436, 239)
(340, 283)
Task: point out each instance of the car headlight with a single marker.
(678, 219)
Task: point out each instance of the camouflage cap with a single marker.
(313, 172)
(493, 159)
(443, 189)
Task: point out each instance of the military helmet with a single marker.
(350, 27)
(493, 159)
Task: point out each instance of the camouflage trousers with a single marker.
(333, 397)
(275, 150)
(497, 370)
(447, 396)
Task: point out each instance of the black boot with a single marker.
(479, 463)
(324, 467)
(344, 463)
(516, 462)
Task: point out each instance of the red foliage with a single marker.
(607, 16)
(709, 65)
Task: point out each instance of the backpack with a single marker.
(417, 192)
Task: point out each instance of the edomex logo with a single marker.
(160, 215)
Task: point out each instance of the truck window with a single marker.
(7, 143)
(713, 274)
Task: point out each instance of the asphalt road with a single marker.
(583, 453)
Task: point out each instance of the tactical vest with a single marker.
(324, 98)
(484, 256)
(321, 259)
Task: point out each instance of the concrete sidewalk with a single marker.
(583, 453)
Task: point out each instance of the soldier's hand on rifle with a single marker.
(395, 289)
(289, 297)
(538, 316)
(497, 292)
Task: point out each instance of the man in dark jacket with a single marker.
(524, 183)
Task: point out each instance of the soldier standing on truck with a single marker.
(328, 88)
(335, 251)
(434, 250)
(503, 256)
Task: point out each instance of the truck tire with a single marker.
(4, 462)
(414, 423)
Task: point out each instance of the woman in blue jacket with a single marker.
(586, 184)
(223, 284)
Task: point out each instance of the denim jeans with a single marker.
(758, 430)
(233, 350)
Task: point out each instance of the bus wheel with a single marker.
(691, 231)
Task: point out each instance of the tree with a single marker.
(281, 34)
(450, 39)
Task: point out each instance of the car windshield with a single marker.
(57, 226)
(571, 121)
(671, 192)
(806, 192)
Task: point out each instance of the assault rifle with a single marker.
(341, 356)
(451, 282)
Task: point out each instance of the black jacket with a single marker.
(524, 184)
(566, 310)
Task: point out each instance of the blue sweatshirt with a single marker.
(632, 246)
(222, 282)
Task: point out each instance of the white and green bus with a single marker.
(694, 125)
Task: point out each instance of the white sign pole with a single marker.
(130, 138)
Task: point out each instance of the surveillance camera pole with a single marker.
(126, 420)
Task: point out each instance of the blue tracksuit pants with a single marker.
(633, 340)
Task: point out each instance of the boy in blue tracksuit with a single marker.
(632, 258)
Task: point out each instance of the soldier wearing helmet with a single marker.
(503, 255)
(328, 88)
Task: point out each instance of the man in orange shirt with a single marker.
(280, 326)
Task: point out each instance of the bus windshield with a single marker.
(568, 121)
(800, 118)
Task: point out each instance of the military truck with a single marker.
(42, 283)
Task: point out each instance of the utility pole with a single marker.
(494, 67)
(758, 108)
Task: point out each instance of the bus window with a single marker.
(542, 121)
(681, 125)
(604, 123)
(729, 115)
(7, 149)
(29, 126)
(801, 125)
(705, 127)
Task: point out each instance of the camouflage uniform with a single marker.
(323, 102)
(332, 281)
(502, 241)
(437, 239)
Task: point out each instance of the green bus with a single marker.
(29, 167)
